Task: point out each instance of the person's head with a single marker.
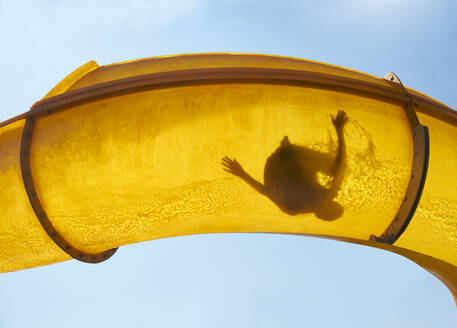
(285, 141)
(329, 211)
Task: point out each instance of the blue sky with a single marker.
(230, 280)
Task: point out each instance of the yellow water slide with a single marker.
(215, 143)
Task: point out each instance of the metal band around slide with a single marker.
(27, 178)
(421, 145)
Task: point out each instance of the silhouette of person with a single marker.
(290, 179)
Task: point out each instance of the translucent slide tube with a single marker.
(215, 143)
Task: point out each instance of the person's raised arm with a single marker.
(339, 165)
(233, 167)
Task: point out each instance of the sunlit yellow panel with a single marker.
(195, 61)
(23, 242)
(72, 78)
(435, 220)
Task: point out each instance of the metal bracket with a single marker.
(389, 76)
(421, 145)
(38, 208)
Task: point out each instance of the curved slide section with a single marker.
(215, 143)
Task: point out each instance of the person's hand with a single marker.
(339, 120)
(232, 166)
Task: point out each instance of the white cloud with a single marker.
(379, 13)
(93, 15)
(134, 14)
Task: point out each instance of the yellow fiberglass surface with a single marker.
(215, 143)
